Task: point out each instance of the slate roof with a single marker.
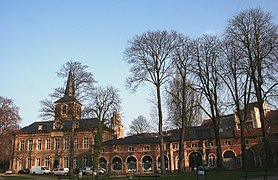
(192, 133)
(47, 126)
(135, 139)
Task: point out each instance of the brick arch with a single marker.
(166, 159)
(115, 165)
(131, 167)
(229, 150)
(147, 166)
(230, 161)
(195, 159)
(146, 155)
(103, 165)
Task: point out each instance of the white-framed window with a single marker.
(101, 150)
(116, 149)
(20, 163)
(194, 145)
(22, 145)
(39, 145)
(30, 145)
(38, 161)
(57, 143)
(85, 143)
(66, 143)
(47, 144)
(210, 144)
(228, 143)
(29, 162)
(211, 160)
(146, 148)
(130, 149)
(66, 162)
(40, 127)
(47, 161)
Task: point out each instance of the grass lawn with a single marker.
(211, 175)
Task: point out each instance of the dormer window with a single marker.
(64, 109)
(40, 127)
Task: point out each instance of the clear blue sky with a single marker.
(37, 37)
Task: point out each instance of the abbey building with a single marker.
(48, 143)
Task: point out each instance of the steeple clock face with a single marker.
(58, 124)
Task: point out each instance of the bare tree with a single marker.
(139, 125)
(233, 74)
(84, 81)
(149, 55)
(9, 115)
(208, 84)
(103, 102)
(182, 99)
(9, 123)
(256, 38)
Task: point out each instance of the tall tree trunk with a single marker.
(160, 129)
(181, 151)
(257, 81)
(183, 127)
(218, 148)
(242, 139)
(267, 146)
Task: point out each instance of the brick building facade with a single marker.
(47, 143)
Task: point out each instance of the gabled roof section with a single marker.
(143, 138)
(47, 126)
(192, 133)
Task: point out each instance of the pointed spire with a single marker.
(70, 85)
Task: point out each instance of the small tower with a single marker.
(68, 107)
(117, 125)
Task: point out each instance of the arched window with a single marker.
(195, 160)
(103, 163)
(177, 163)
(211, 160)
(131, 164)
(165, 162)
(117, 164)
(229, 160)
(229, 154)
(147, 164)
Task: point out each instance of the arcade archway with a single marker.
(166, 162)
(229, 160)
(147, 164)
(131, 164)
(116, 164)
(195, 160)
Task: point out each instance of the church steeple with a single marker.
(70, 85)
(68, 106)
